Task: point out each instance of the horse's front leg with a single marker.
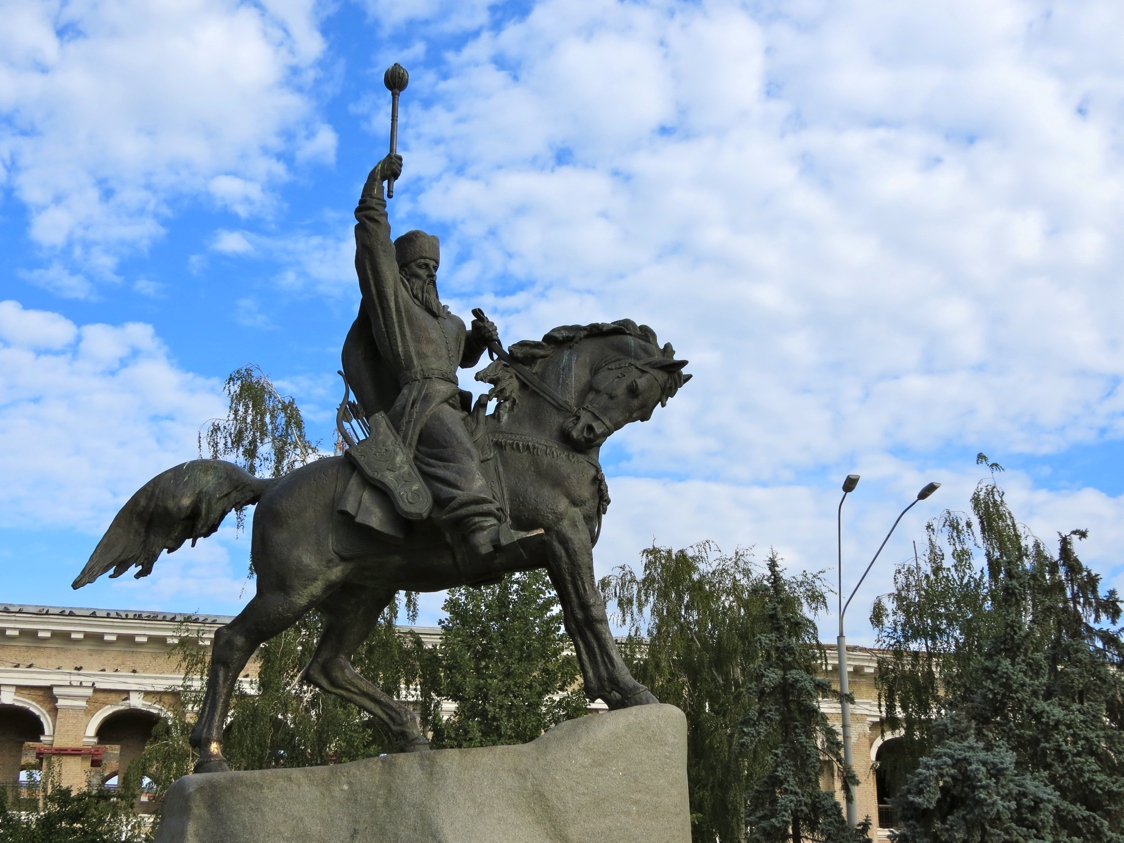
(571, 570)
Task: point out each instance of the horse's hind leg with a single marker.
(265, 616)
(350, 615)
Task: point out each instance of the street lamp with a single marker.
(844, 707)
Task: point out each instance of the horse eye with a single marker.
(634, 389)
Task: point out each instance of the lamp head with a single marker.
(928, 490)
(850, 483)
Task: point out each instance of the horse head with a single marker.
(624, 390)
(617, 370)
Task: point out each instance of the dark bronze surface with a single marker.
(532, 463)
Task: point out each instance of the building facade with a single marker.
(81, 689)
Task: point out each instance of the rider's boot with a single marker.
(495, 549)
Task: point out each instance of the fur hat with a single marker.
(417, 244)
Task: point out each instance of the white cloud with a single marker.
(114, 109)
(800, 523)
(320, 263)
(871, 229)
(319, 147)
(437, 15)
(212, 577)
(148, 287)
(242, 196)
(248, 313)
(87, 415)
(34, 329)
(231, 243)
(60, 281)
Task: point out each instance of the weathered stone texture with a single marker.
(620, 776)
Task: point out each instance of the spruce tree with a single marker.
(699, 626)
(971, 790)
(785, 732)
(1034, 670)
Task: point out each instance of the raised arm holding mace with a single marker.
(400, 358)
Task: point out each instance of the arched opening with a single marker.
(893, 769)
(18, 726)
(129, 729)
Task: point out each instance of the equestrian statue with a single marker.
(430, 492)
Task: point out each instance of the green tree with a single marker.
(287, 723)
(263, 431)
(167, 755)
(693, 618)
(784, 733)
(505, 661)
(974, 791)
(1017, 653)
(697, 622)
(283, 722)
(84, 817)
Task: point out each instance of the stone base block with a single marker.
(620, 777)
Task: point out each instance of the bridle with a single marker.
(625, 364)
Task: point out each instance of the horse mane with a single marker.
(530, 353)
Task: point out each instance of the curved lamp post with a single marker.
(841, 642)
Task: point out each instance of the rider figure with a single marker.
(401, 357)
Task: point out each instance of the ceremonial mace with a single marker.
(396, 79)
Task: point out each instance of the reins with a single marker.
(526, 375)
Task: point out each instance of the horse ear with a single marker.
(676, 366)
(668, 351)
(687, 378)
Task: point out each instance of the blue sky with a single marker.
(886, 236)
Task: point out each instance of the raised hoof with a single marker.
(418, 744)
(211, 765)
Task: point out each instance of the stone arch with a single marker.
(47, 734)
(134, 703)
(19, 726)
(876, 744)
(893, 768)
(127, 726)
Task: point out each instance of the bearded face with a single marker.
(420, 278)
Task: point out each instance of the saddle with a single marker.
(386, 491)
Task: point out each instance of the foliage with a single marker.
(1020, 652)
(967, 790)
(784, 732)
(695, 620)
(263, 431)
(95, 816)
(168, 755)
(505, 661)
(288, 723)
(285, 723)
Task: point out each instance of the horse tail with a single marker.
(186, 502)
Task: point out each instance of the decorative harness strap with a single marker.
(539, 446)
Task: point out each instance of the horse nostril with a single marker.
(590, 432)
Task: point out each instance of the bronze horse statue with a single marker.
(586, 382)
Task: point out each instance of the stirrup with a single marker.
(499, 551)
(517, 545)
